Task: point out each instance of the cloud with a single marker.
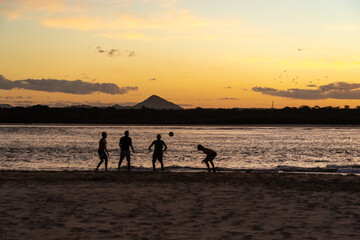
(132, 54)
(185, 105)
(232, 99)
(337, 90)
(64, 86)
(100, 50)
(89, 103)
(163, 19)
(23, 103)
(115, 52)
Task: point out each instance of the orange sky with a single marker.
(194, 54)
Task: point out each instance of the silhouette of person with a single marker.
(125, 144)
(158, 151)
(103, 152)
(210, 155)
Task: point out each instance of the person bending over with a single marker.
(160, 148)
(125, 144)
(103, 152)
(210, 155)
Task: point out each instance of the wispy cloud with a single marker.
(231, 99)
(89, 103)
(115, 52)
(64, 103)
(13, 97)
(64, 86)
(185, 105)
(337, 90)
(164, 19)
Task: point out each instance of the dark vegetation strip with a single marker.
(301, 115)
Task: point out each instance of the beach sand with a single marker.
(145, 205)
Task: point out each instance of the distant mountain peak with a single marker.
(156, 102)
(155, 97)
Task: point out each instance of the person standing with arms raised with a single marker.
(158, 151)
(125, 144)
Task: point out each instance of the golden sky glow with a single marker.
(193, 53)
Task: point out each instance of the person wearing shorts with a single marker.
(125, 145)
(102, 151)
(160, 148)
(210, 155)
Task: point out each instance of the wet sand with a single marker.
(142, 205)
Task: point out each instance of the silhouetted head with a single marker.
(158, 137)
(104, 134)
(126, 133)
(200, 147)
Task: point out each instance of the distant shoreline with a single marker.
(198, 116)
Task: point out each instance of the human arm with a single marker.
(105, 148)
(132, 148)
(151, 146)
(165, 147)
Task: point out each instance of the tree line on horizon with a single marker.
(111, 115)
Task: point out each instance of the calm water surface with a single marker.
(66, 147)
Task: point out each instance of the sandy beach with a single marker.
(145, 205)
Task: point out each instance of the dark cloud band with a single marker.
(338, 90)
(64, 86)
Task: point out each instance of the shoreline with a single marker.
(345, 125)
(289, 180)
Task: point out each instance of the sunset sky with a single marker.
(228, 53)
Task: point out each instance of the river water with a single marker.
(74, 147)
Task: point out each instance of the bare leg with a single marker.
(212, 164)
(154, 160)
(121, 159)
(97, 168)
(162, 166)
(106, 162)
(128, 162)
(207, 164)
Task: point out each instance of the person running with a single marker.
(103, 152)
(125, 144)
(210, 155)
(158, 151)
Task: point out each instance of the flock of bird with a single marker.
(285, 76)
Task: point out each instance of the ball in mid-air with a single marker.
(171, 134)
